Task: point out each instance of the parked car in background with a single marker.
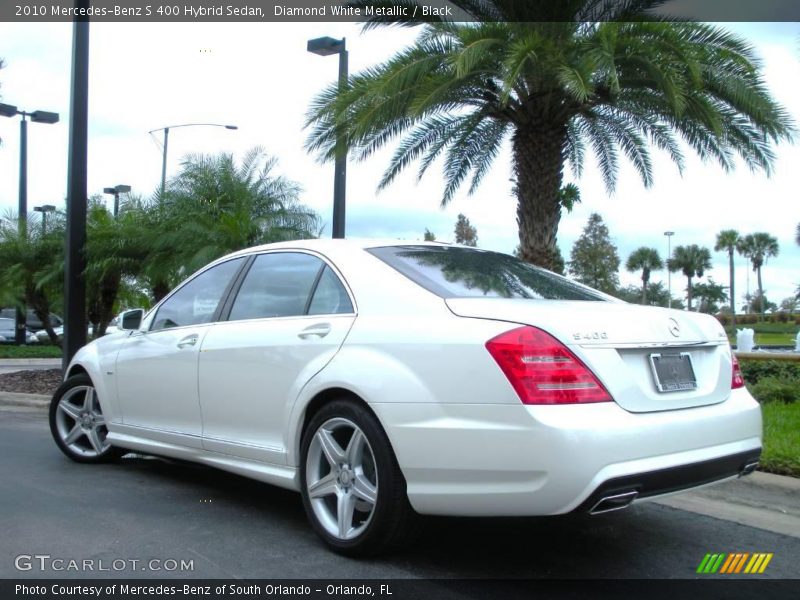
(33, 322)
(8, 329)
(59, 331)
(385, 379)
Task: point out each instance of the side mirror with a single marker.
(131, 319)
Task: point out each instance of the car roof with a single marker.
(328, 244)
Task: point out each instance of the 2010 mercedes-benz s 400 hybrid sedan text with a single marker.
(383, 380)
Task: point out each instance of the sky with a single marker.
(259, 77)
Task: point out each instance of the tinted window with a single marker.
(277, 285)
(197, 301)
(330, 297)
(452, 272)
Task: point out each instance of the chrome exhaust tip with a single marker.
(748, 468)
(612, 503)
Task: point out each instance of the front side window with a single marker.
(197, 301)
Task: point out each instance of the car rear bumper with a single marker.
(503, 460)
(619, 492)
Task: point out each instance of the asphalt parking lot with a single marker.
(143, 508)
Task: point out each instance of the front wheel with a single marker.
(77, 422)
(353, 491)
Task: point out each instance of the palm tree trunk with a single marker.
(159, 290)
(733, 294)
(538, 155)
(109, 290)
(761, 292)
(644, 288)
(41, 308)
(689, 294)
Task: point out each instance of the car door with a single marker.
(286, 321)
(156, 369)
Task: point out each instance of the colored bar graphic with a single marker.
(715, 567)
(727, 567)
(734, 563)
(754, 563)
(740, 563)
(703, 563)
(765, 563)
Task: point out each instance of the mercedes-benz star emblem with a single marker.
(674, 328)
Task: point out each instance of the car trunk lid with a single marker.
(640, 353)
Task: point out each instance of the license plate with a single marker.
(673, 372)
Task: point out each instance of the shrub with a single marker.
(754, 371)
(724, 319)
(772, 389)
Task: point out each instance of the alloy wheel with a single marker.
(342, 478)
(80, 423)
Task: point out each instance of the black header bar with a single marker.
(397, 11)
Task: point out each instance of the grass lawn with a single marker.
(770, 334)
(781, 452)
(10, 351)
(769, 338)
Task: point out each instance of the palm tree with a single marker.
(646, 259)
(118, 250)
(557, 79)
(692, 261)
(32, 267)
(728, 240)
(215, 206)
(758, 247)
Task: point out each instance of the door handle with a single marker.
(319, 330)
(190, 340)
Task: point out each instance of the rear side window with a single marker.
(277, 285)
(330, 297)
(289, 284)
(453, 272)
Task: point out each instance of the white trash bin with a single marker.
(744, 340)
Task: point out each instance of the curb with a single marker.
(762, 479)
(39, 401)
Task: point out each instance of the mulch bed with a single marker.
(31, 382)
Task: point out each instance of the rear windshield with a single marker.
(454, 272)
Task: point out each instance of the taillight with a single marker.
(737, 381)
(542, 370)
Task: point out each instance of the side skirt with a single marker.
(280, 475)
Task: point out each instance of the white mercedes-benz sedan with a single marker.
(386, 380)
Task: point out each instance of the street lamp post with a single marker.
(325, 46)
(44, 209)
(166, 143)
(116, 191)
(37, 116)
(77, 186)
(669, 235)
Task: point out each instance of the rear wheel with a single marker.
(77, 422)
(353, 491)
